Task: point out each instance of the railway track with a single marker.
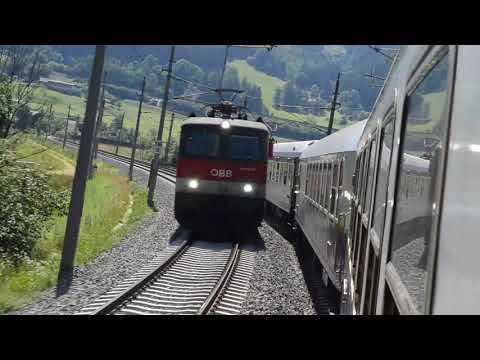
(166, 172)
(190, 277)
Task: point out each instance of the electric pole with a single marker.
(81, 172)
(98, 122)
(100, 115)
(66, 126)
(132, 158)
(120, 132)
(77, 119)
(167, 148)
(334, 104)
(152, 181)
(49, 119)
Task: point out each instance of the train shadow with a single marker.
(324, 298)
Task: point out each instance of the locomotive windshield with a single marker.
(244, 148)
(211, 142)
(201, 142)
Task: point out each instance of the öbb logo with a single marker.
(221, 173)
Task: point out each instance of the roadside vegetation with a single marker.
(35, 182)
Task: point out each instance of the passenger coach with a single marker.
(282, 178)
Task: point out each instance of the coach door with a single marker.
(412, 238)
(378, 192)
(365, 192)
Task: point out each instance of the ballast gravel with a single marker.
(276, 287)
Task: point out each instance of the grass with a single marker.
(269, 84)
(107, 199)
(150, 119)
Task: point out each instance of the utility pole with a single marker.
(81, 172)
(220, 85)
(98, 122)
(120, 132)
(132, 158)
(49, 121)
(167, 148)
(77, 119)
(100, 115)
(334, 104)
(152, 181)
(66, 126)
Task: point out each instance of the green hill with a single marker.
(269, 84)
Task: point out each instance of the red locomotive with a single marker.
(221, 171)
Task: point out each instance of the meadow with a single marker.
(107, 199)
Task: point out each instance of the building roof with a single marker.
(47, 80)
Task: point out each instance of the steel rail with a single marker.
(222, 283)
(136, 288)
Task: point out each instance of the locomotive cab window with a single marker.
(200, 142)
(420, 159)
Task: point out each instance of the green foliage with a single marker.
(28, 201)
(106, 201)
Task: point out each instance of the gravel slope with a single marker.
(277, 285)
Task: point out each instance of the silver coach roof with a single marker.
(341, 141)
(218, 121)
(291, 149)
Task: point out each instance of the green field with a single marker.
(149, 121)
(269, 84)
(107, 198)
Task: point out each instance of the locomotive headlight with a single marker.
(193, 184)
(248, 188)
(225, 125)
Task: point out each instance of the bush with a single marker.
(28, 201)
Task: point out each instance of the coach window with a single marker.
(380, 204)
(330, 185)
(363, 185)
(307, 187)
(333, 191)
(423, 149)
(360, 176)
(314, 181)
(340, 174)
(357, 174)
(285, 173)
(290, 174)
(313, 177)
(319, 183)
(322, 182)
(371, 169)
(317, 176)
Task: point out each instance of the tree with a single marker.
(28, 201)
(16, 90)
(315, 91)
(278, 96)
(291, 94)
